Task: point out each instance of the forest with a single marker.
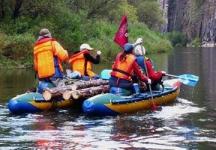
(73, 22)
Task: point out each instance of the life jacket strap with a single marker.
(121, 71)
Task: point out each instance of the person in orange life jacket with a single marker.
(155, 76)
(48, 56)
(124, 67)
(82, 61)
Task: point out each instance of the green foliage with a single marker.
(177, 39)
(7, 63)
(20, 26)
(71, 22)
(153, 42)
(2, 40)
(17, 47)
(103, 39)
(111, 10)
(195, 43)
(149, 12)
(68, 29)
(123, 8)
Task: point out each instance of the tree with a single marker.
(2, 12)
(123, 8)
(111, 10)
(16, 10)
(148, 12)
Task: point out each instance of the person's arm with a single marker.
(35, 64)
(138, 72)
(59, 51)
(153, 75)
(90, 58)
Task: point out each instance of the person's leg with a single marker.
(156, 87)
(120, 91)
(43, 84)
(120, 86)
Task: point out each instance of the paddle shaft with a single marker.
(170, 75)
(150, 89)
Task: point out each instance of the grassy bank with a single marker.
(73, 23)
(16, 49)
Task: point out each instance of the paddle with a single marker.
(105, 74)
(187, 79)
(154, 107)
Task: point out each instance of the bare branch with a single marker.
(17, 7)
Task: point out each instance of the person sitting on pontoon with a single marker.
(145, 62)
(82, 61)
(124, 67)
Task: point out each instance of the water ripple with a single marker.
(170, 128)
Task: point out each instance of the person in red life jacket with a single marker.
(48, 56)
(124, 67)
(155, 76)
(82, 61)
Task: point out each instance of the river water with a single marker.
(189, 123)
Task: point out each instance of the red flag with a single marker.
(121, 36)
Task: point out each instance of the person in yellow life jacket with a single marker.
(48, 56)
(81, 61)
(124, 67)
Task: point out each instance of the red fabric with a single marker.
(44, 40)
(121, 36)
(155, 76)
(138, 72)
(76, 54)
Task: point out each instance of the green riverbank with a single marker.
(73, 23)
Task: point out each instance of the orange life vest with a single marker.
(123, 68)
(80, 64)
(44, 58)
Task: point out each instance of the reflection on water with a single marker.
(53, 130)
(202, 63)
(13, 82)
(187, 124)
(208, 72)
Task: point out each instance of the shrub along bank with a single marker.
(71, 23)
(16, 50)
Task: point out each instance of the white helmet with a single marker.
(138, 50)
(85, 46)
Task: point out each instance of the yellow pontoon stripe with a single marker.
(144, 104)
(52, 104)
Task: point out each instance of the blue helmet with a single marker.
(128, 47)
